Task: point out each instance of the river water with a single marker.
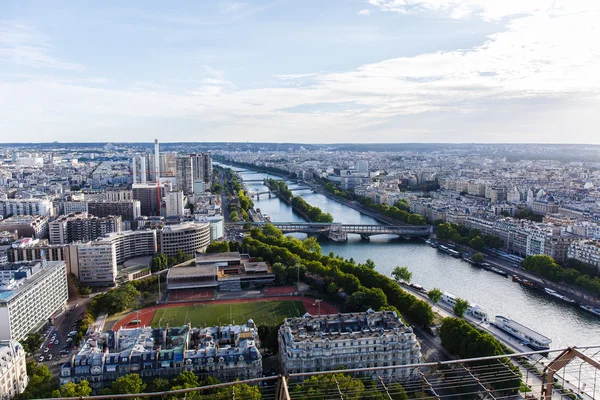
(565, 324)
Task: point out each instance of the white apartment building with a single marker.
(38, 290)
(354, 340)
(587, 251)
(97, 264)
(13, 371)
(70, 207)
(25, 207)
(188, 237)
(174, 203)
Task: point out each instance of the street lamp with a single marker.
(318, 302)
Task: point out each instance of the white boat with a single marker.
(554, 293)
(528, 336)
(475, 310)
(591, 309)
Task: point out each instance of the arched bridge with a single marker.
(339, 232)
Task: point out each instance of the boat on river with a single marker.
(554, 293)
(493, 269)
(475, 310)
(448, 250)
(591, 309)
(525, 282)
(528, 336)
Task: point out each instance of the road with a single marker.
(64, 323)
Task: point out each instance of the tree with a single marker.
(321, 387)
(478, 257)
(80, 389)
(239, 391)
(33, 342)
(128, 384)
(218, 247)
(397, 391)
(435, 295)
(477, 243)
(187, 379)
(421, 312)
(460, 307)
(402, 274)
(233, 216)
(332, 288)
(370, 263)
(311, 244)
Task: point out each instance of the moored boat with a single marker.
(591, 309)
(528, 336)
(554, 293)
(474, 309)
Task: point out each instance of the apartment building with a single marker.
(190, 237)
(82, 227)
(97, 264)
(227, 353)
(13, 371)
(21, 310)
(26, 207)
(353, 340)
(127, 209)
(70, 207)
(31, 226)
(587, 251)
(174, 203)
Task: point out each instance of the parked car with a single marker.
(46, 349)
(56, 341)
(41, 358)
(49, 356)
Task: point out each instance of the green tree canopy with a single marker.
(478, 257)
(80, 389)
(435, 295)
(128, 384)
(460, 307)
(402, 274)
(477, 243)
(218, 247)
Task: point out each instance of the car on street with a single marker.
(49, 356)
(46, 349)
(41, 358)
(56, 341)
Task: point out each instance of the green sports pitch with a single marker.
(262, 312)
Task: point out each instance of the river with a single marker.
(565, 324)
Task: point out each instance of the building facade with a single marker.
(127, 209)
(586, 251)
(31, 226)
(21, 307)
(352, 340)
(191, 237)
(97, 264)
(82, 227)
(226, 352)
(174, 203)
(25, 207)
(13, 371)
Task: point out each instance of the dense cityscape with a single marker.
(123, 242)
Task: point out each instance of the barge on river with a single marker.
(528, 336)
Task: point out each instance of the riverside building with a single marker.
(353, 340)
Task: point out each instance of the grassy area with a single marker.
(262, 312)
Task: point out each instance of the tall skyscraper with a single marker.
(185, 174)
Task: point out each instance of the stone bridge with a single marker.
(339, 232)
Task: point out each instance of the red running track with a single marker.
(147, 314)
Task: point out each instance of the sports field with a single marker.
(262, 312)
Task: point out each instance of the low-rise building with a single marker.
(13, 371)
(25, 207)
(31, 226)
(36, 291)
(227, 353)
(353, 340)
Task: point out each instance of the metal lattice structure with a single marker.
(554, 374)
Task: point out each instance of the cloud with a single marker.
(22, 45)
(364, 12)
(226, 6)
(531, 81)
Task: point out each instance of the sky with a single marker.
(308, 71)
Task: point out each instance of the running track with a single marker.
(147, 314)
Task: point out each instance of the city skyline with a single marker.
(379, 71)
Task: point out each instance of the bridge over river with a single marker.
(339, 232)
